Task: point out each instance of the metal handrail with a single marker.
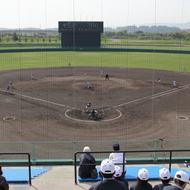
(132, 151)
(29, 164)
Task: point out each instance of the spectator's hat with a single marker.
(164, 174)
(143, 174)
(116, 146)
(86, 149)
(118, 172)
(107, 167)
(182, 176)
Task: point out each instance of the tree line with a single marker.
(140, 35)
(14, 37)
(124, 34)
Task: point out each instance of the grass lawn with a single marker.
(163, 61)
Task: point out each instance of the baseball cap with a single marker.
(164, 174)
(182, 176)
(143, 174)
(86, 149)
(107, 166)
(118, 172)
(116, 146)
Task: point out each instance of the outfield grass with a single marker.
(163, 61)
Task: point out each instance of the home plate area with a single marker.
(103, 115)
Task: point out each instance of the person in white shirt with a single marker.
(117, 158)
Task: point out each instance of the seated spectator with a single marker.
(164, 176)
(86, 158)
(181, 179)
(3, 182)
(118, 176)
(117, 158)
(142, 181)
(107, 171)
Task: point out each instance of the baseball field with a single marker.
(132, 104)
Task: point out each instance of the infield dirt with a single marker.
(132, 105)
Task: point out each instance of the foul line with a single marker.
(41, 100)
(113, 107)
(150, 97)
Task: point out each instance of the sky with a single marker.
(114, 13)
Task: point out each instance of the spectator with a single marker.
(107, 171)
(86, 158)
(142, 181)
(181, 179)
(3, 182)
(164, 176)
(117, 157)
(118, 176)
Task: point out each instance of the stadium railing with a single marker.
(169, 160)
(28, 162)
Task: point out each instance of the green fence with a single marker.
(87, 49)
(62, 152)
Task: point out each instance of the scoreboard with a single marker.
(81, 27)
(80, 33)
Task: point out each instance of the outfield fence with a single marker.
(94, 49)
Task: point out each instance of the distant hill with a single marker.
(178, 25)
(145, 29)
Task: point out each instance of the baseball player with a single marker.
(88, 85)
(87, 107)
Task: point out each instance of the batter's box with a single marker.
(108, 115)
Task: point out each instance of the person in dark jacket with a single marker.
(118, 176)
(3, 182)
(107, 170)
(86, 158)
(142, 181)
(164, 176)
(181, 179)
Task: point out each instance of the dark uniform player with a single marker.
(107, 77)
(94, 113)
(8, 88)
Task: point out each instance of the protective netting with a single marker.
(143, 98)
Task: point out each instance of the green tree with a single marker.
(15, 37)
